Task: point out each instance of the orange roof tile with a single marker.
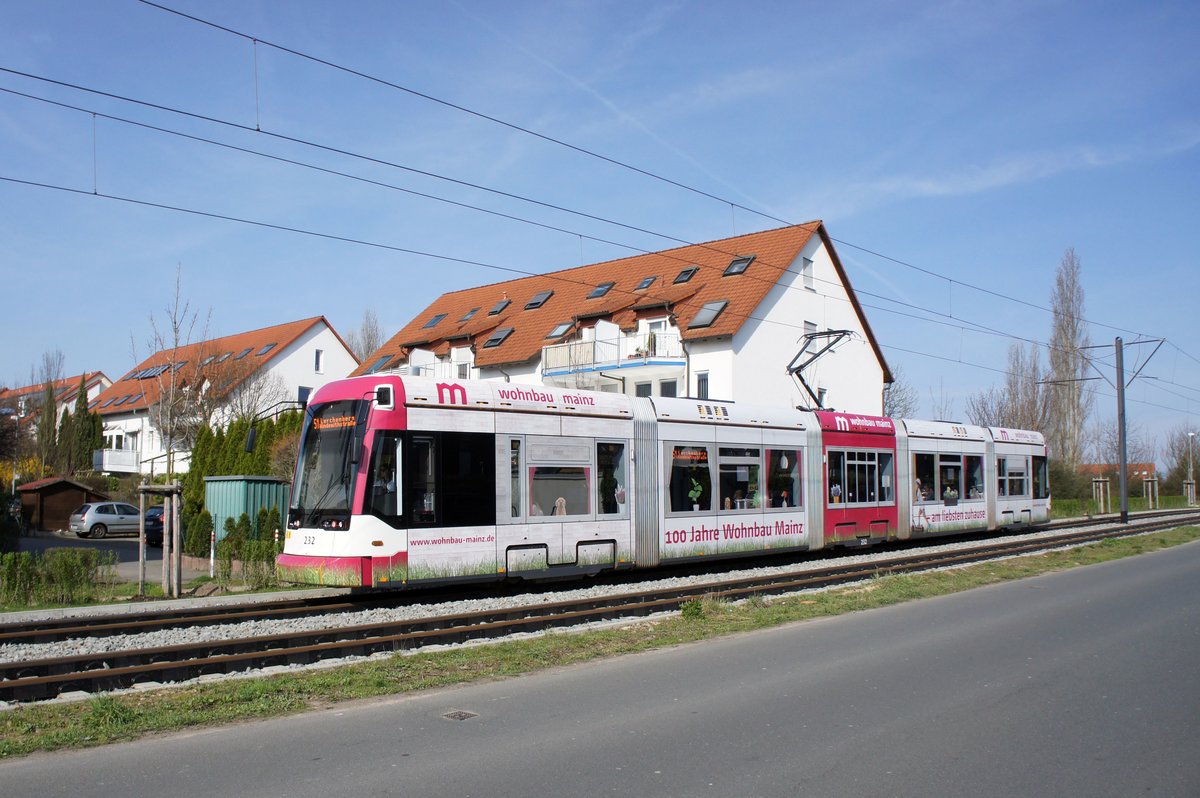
(774, 251)
(224, 361)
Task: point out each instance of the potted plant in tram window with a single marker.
(695, 493)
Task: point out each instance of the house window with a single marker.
(464, 371)
(806, 271)
(642, 389)
(319, 361)
(702, 385)
(645, 283)
(708, 314)
(498, 337)
(599, 290)
(302, 394)
(434, 321)
(499, 306)
(738, 265)
(668, 388)
(686, 275)
(538, 300)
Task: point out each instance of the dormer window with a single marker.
(708, 314)
(434, 321)
(499, 306)
(498, 337)
(738, 265)
(538, 300)
(645, 283)
(561, 330)
(600, 290)
(686, 275)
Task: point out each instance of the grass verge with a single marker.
(112, 718)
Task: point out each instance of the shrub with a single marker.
(199, 534)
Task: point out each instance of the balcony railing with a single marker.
(632, 350)
(124, 461)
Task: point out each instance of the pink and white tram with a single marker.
(407, 481)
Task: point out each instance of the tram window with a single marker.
(837, 475)
(1001, 477)
(886, 478)
(924, 466)
(514, 465)
(559, 490)
(737, 476)
(950, 476)
(1017, 472)
(783, 478)
(973, 476)
(450, 479)
(422, 486)
(385, 473)
(611, 478)
(1041, 478)
(858, 477)
(689, 482)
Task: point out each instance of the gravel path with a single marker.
(169, 637)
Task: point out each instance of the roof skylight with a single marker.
(600, 290)
(469, 314)
(645, 283)
(538, 300)
(264, 350)
(561, 330)
(434, 321)
(378, 364)
(244, 352)
(738, 265)
(708, 314)
(499, 306)
(498, 337)
(686, 275)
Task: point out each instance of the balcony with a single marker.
(117, 461)
(648, 356)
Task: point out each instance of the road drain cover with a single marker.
(459, 714)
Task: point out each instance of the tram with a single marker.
(404, 481)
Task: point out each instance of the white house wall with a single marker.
(765, 344)
(296, 364)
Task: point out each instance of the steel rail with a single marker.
(41, 679)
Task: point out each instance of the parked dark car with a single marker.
(154, 526)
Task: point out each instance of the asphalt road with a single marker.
(1079, 683)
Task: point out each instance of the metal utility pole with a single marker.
(1123, 477)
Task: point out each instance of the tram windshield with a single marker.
(325, 467)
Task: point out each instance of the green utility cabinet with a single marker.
(229, 497)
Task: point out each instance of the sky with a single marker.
(954, 151)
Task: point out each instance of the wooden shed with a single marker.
(48, 503)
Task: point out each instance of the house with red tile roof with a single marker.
(719, 320)
(212, 382)
(26, 401)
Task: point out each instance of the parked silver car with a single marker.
(99, 519)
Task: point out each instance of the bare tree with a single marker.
(900, 399)
(1069, 404)
(368, 337)
(941, 406)
(175, 414)
(1021, 403)
(250, 394)
(1106, 447)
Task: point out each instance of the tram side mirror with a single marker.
(250, 438)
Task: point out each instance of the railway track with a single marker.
(32, 680)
